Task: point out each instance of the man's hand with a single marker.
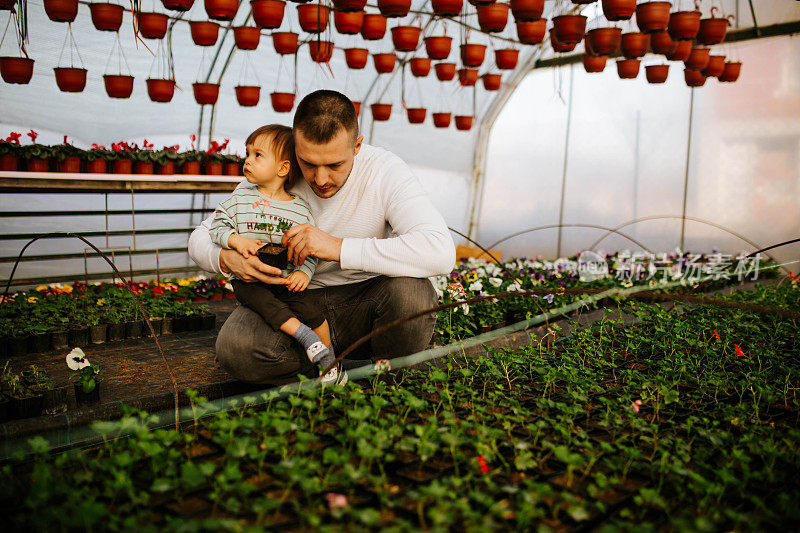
(249, 269)
(244, 245)
(304, 240)
(298, 281)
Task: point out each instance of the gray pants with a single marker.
(250, 350)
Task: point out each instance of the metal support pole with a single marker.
(686, 175)
(566, 158)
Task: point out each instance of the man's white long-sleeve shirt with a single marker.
(388, 225)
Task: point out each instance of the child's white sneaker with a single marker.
(317, 351)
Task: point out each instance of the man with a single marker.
(378, 238)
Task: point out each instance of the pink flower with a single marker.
(336, 500)
(739, 352)
(635, 405)
(482, 463)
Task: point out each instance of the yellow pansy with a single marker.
(101, 301)
(470, 276)
(183, 282)
(41, 288)
(32, 299)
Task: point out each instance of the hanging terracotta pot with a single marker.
(381, 112)
(445, 71)
(268, 14)
(441, 120)
(61, 10)
(594, 64)
(527, 10)
(569, 29)
(472, 54)
(467, 77)
(558, 46)
(682, 51)
(420, 66)
(356, 57)
(464, 123)
(635, 44)
(246, 37)
(478, 3)
(406, 38)
(731, 72)
(204, 32)
(715, 67)
(348, 23)
(160, 90)
(506, 58)
(7, 5)
(652, 17)
(531, 32)
(357, 105)
(384, 63)
(16, 69)
(285, 42)
(656, 73)
(493, 18)
(712, 30)
(628, 69)
(70, 79)
(118, 85)
(416, 115)
(106, 17)
(447, 8)
(313, 17)
(349, 5)
(248, 95)
(282, 102)
(221, 9)
(604, 41)
(698, 58)
(619, 9)
(321, 51)
(374, 27)
(153, 25)
(662, 43)
(694, 78)
(178, 5)
(394, 8)
(438, 47)
(684, 25)
(492, 82)
(205, 93)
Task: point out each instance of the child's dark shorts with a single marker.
(276, 304)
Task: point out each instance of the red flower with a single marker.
(739, 352)
(716, 334)
(483, 465)
(32, 134)
(14, 137)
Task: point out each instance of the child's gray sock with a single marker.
(315, 349)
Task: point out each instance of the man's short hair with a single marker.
(281, 142)
(322, 114)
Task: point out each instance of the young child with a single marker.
(254, 216)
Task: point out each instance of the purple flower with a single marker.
(549, 298)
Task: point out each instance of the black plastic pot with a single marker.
(180, 323)
(273, 255)
(39, 343)
(86, 398)
(59, 339)
(3, 347)
(208, 321)
(116, 331)
(55, 400)
(78, 337)
(156, 323)
(5, 409)
(18, 345)
(133, 329)
(195, 322)
(97, 333)
(27, 407)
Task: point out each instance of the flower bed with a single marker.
(685, 420)
(56, 316)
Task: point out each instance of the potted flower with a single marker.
(271, 254)
(9, 152)
(86, 378)
(214, 158)
(36, 155)
(97, 159)
(190, 159)
(26, 402)
(67, 156)
(166, 158)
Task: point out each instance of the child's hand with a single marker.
(245, 246)
(298, 281)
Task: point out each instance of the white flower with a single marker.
(76, 359)
(476, 286)
(228, 286)
(495, 282)
(514, 287)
